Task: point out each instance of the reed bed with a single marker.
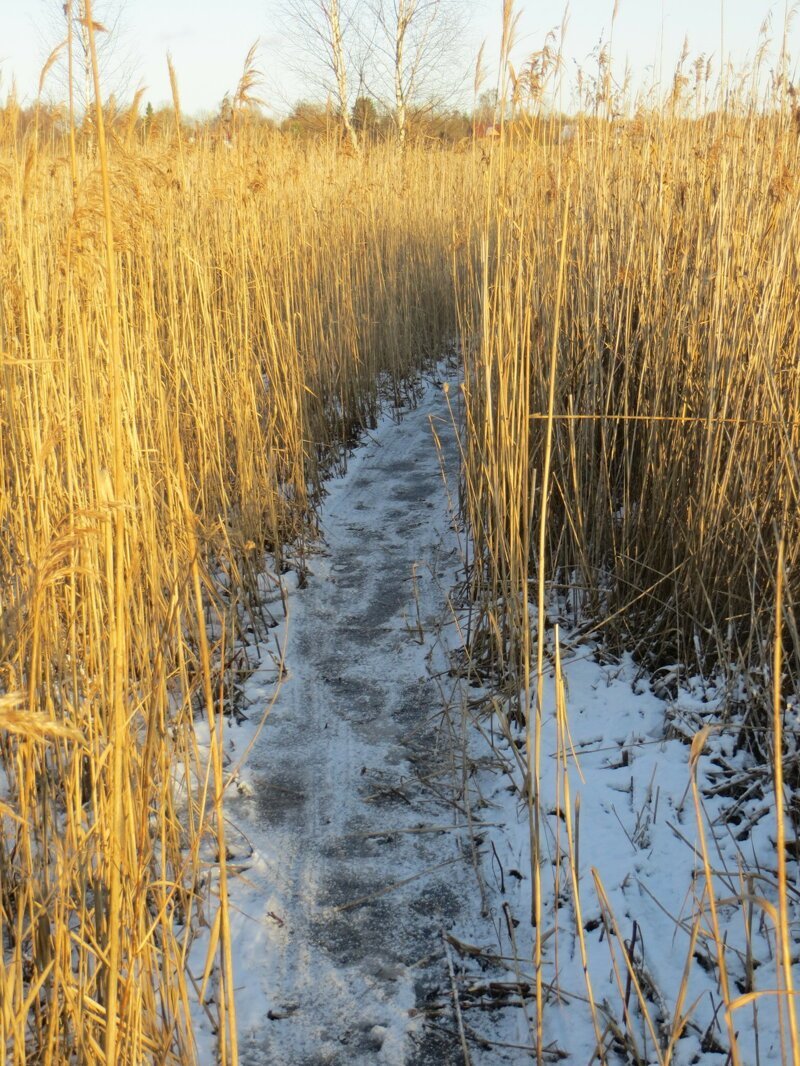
(191, 331)
(632, 409)
(162, 442)
(672, 427)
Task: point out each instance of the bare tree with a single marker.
(325, 26)
(66, 21)
(415, 52)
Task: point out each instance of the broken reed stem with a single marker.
(632, 978)
(777, 742)
(456, 1001)
(698, 744)
(572, 843)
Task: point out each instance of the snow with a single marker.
(379, 775)
(349, 865)
(638, 839)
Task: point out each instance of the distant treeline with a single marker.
(310, 120)
(307, 120)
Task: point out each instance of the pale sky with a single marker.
(209, 40)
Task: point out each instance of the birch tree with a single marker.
(328, 32)
(113, 54)
(416, 52)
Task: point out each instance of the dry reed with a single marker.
(189, 340)
(190, 332)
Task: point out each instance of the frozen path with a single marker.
(348, 791)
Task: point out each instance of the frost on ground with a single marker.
(380, 870)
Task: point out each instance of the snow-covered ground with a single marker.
(348, 851)
(379, 839)
(634, 823)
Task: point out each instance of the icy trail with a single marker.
(333, 952)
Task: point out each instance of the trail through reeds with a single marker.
(190, 333)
